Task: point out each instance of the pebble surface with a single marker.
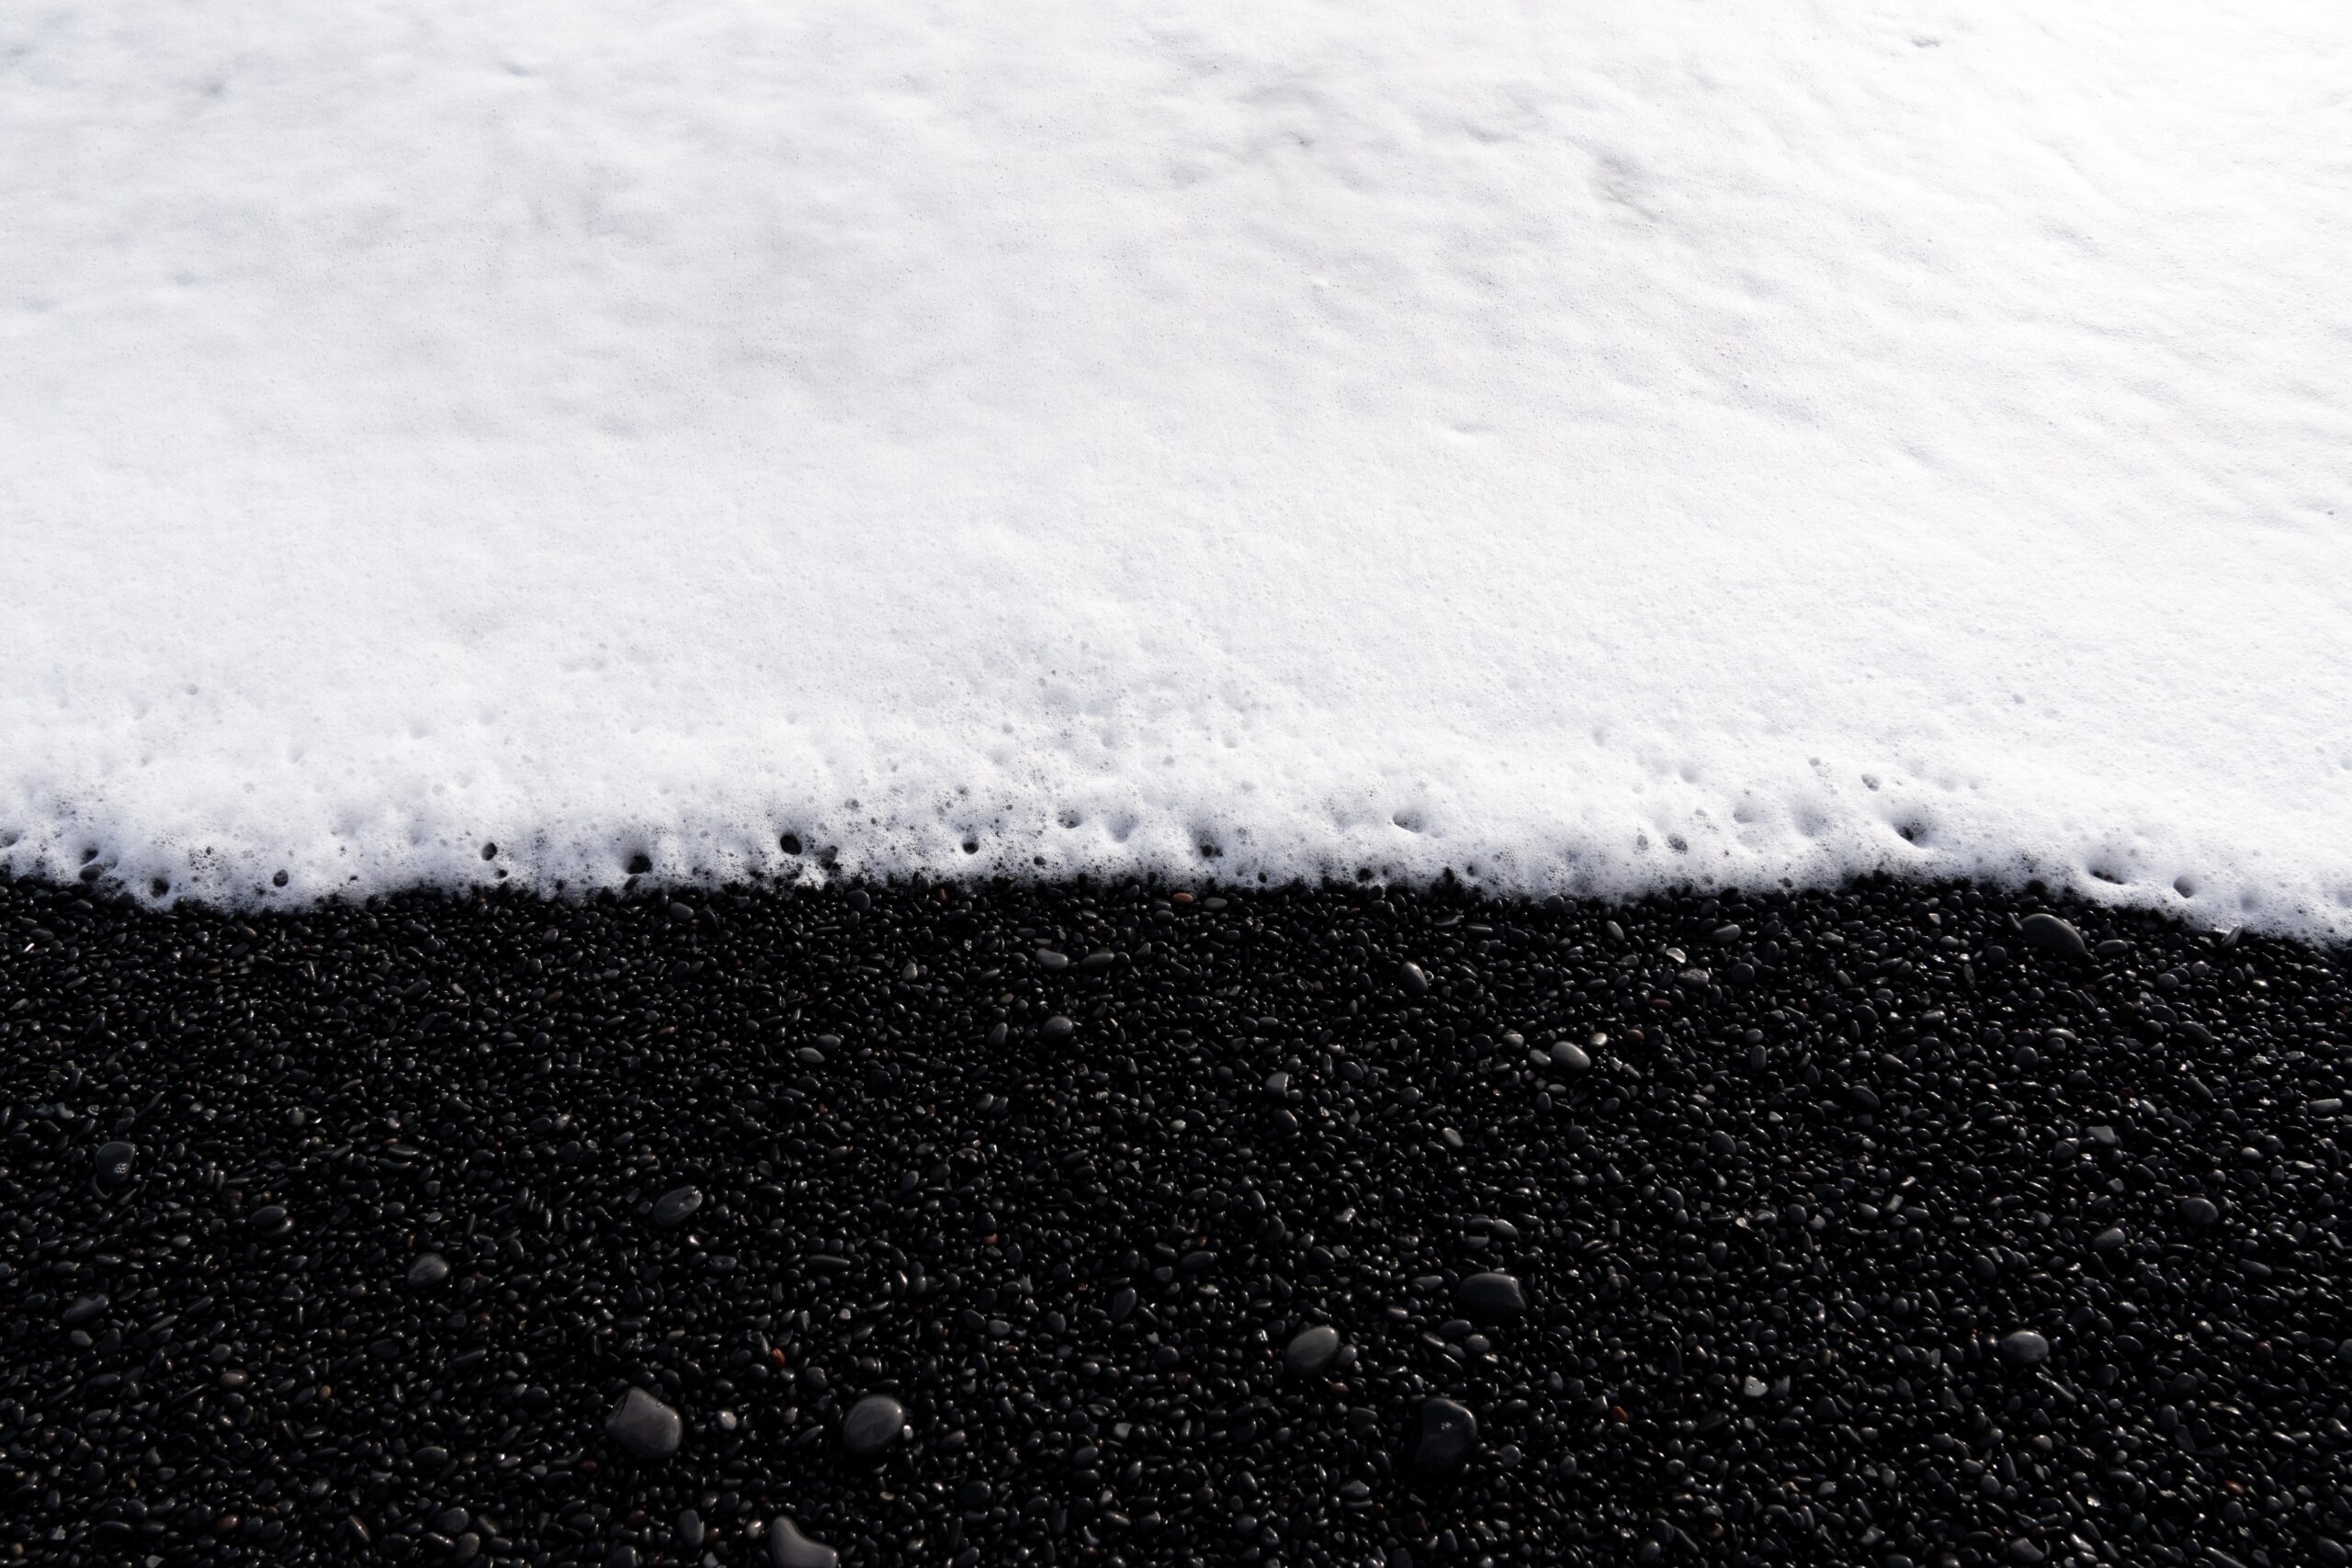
(832, 1226)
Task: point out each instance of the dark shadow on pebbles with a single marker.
(1348, 1226)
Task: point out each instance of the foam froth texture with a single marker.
(1587, 448)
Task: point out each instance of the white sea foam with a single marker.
(1585, 447)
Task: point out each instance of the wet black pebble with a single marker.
(428, 1270)
(1439, 1437)
(1570, 1059)
(787, 1548)
(1491, 1297)
(2024, 1349)
(114, 1163)
(2052, 934)
(1311, 1350)
(644, 1426)
(872, 1424)
(676, 1207)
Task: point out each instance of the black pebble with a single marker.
(2024, 1347)
(787, 1548)
(114, 1163)
(1491, 1297)
(428, 1270)
(1311, 1350)
(2050, 934)
(644, 1426)
(676, 1207)
(1439, 1437)
(872, 1424)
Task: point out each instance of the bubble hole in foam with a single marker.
(1582, 447)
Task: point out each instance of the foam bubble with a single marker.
(1579, 450)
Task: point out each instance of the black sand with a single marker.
(1872, 1232)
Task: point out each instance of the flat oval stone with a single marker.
(1439, 1437)
(1417, 980)
(1491, 1297)
(1570, 1059)
(429, 1269)
(872, 1424)
(676, 1207)
(787, 1548)
(644, 1426)
(2024, 1349)
(1311, 1349)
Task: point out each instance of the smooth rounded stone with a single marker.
(114, 1161)
(2199, 1211)
(622, 1555)
(872, 1424)
(1491, 1297)
(2109, 1239)
(1056, 1030)
(1416, 978)
(2050, 934)
(690, 1531)
(1570, 1059)
(644, 1426)
(1311, 1349)
(787, 1548)
(1439, 1437)
(676, 1207)
(428, 1270)
(2024, 1349)
(271, 1219)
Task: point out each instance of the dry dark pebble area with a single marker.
(1130, 1225)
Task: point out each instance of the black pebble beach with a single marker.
(1129, 1224)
